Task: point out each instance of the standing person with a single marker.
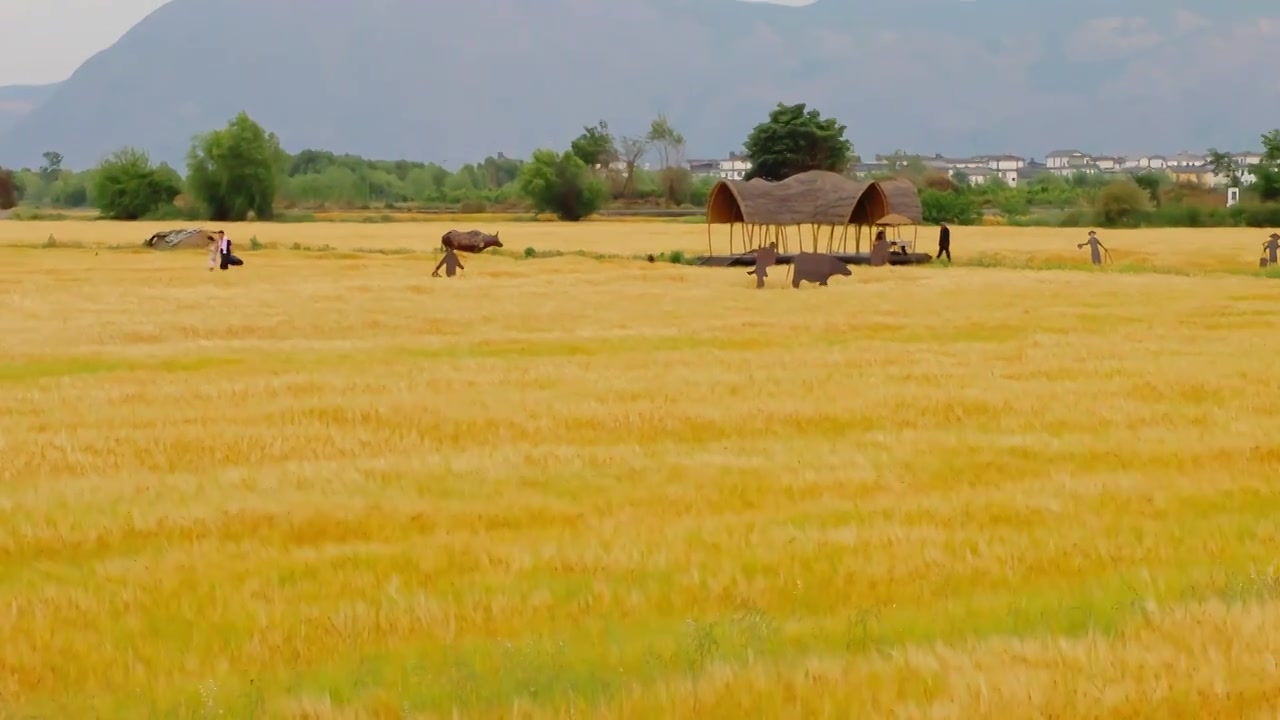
(1095, 254)
(765, 257)
(880, 250)
(215, 250)
(450, 262)
(1272, 245)
(224, 249)
(944, 242)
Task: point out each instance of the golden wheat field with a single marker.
(1172, 250)
(328, 485)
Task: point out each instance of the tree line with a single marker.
(242, 172)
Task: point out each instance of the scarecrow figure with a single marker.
(1096, 248)
(450, 263)
(765, 258)
(1271, 246)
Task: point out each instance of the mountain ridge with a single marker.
(462, 80)
(16, 101)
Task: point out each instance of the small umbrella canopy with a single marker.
(894, 220)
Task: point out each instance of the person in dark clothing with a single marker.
(1096, 248)
(944, 242)
(224, 249)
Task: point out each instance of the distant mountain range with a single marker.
(456, 80)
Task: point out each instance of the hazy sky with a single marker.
(46, 40)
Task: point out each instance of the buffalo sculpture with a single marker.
(471, 241)
(816, 268)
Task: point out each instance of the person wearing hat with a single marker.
(1094, 244)
(1271, 246)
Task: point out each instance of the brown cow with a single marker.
(816, 268)
(471, 241)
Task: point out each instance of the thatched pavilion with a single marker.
(817, 199)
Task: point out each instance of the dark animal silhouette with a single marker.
(816, 268)
(471, 241)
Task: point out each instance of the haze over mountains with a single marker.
(453, 81)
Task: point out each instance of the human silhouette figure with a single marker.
(880, 250)
(1272, 245)
(944, 242)
(450, 262)
(765, 258)
(1096, 247)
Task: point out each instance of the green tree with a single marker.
(673, 176)
(71, 190)
(52, 167)
(1153, 183)
(630, 150)
(1121, 202)
(1266, 173)
(1224, 166)
(127, 187)
(796, 140)
(562, 184)
(670, 143)
(958, 208)
(237, 170)
(8, 190)
(595, 147)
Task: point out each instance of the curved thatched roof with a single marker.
(904, 199)
(816, 197)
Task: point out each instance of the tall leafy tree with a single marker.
(669, 142)
(1224, 166)
(561, 183)
(127, 187)
(595, 146)
(630, 150)
(237, 170)
(1267, 172)
(795, 140)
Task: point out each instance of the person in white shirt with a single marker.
(224, 251)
